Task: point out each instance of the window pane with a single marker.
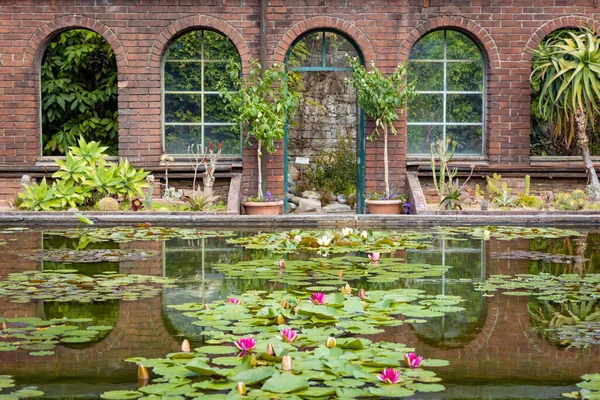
(464, 108)
(183, 108)
(426, 108)
(218, 47)
(307, 52)
(215, 72)
(461, 47)
(468, 139)
(186, 47)
(465, 76)
(429, 47)
(229, 135)
(429, 75)
(178, 138)
(215, 110)
(185, 76)
(336, 49)
(420, 137)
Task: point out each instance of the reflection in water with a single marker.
(492, 346)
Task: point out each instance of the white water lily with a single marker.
(364, 234)
(324, 241)
(347, 231)
(297, 238)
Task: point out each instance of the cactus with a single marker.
(492, 185)
(108, 204)
(578, 194)
(527, 184)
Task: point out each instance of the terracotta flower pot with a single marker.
(384, 206)
(262, 207)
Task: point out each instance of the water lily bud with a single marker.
(295, 309)
(284, 303)
(341, 273)
(143, 372)
(206, 307)
(279, 320)
(362, 294)
(185, 346)
(252, 360)
(281, 263)
(4, 326)
(286, 363)
(241, 388)
(270, 350)
(346, 290)
(331, 342)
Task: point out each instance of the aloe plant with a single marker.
(566, 70)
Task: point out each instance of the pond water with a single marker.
(497, 346)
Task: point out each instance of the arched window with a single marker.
(194, 113)
(449, 71)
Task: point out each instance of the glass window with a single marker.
(447, 67)
(194, 113)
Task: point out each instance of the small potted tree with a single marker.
(383, 98)
(262, 103)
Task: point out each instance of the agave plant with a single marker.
(566, 71)
(39, 197)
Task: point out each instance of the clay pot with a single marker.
(384, 206)
(262, 207)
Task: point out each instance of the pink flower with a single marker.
(362, 294)
(374, 256)
(287, 335)
(281, 263)
(245, 344)
(412, 361)
(317, 298)
(234, 300)
(388, 375)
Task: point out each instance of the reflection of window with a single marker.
(448, 69)
(194, 113)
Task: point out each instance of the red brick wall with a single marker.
(384, 30)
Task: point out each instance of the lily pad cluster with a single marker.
(90, 255)
(328, 274)
(539, 256)
(292, 345)
(66, 286)
(28, 392)
(138, 233)
(590, 388)
(40, 337)
(508, 232)
(333, 241)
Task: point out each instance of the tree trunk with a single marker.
(582, 141)
(259, 155)
(385, 161)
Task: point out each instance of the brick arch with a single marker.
(471, 28)
(37, 44)
(570, 21)
(359, 38)
(159, 47)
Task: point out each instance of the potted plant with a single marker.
(383, 98)
(262, 103)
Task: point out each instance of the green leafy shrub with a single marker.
(335, 170)
(39, 197)
(453, 197)
(529, 201)
(108, 204)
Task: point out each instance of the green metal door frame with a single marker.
(360, 120)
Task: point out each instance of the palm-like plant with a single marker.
(566, 70)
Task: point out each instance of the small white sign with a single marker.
(302, 160)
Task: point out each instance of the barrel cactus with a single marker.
(108, 204)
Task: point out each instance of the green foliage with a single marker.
(492, 189)
(108, 204)
(451, 193)
(199, 201)
(528, 201)
(39, 197)
(131, 181)
(335, 169)
(262, 103)
(453, 197)
(527, 184)
(69, 193)
(79, 91)
(574, 201)
(505, 200)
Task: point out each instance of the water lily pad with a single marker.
(254, 375)
(121, 395)
(285, 383)
(216, 349)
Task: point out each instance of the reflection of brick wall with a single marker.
(150, 266)
(11, 258)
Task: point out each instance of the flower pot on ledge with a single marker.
(262, 207)
(384, 206)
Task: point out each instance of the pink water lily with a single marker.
(411, 360)
(288, 335)
(317, 298)
(234, 300)
(245, 344)
(374, 256)
(389, 376)
(281, 263)
(362, 294)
